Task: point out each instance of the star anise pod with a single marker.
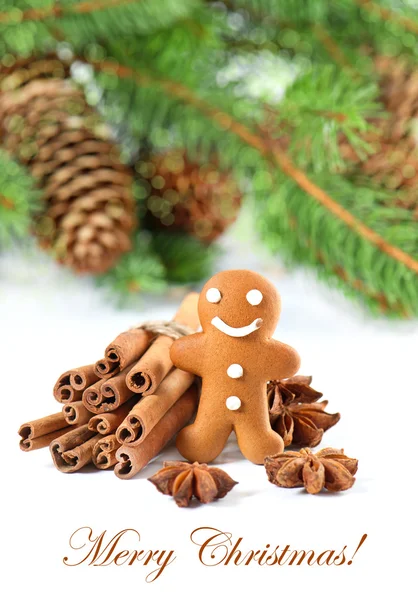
(183, 480)
(329, 468)
(295, 412)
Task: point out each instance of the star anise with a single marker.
(183, 480)
(295, 412)
(329, 468)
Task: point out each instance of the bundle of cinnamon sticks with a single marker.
(122, 410)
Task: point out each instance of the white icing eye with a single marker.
(213, 295)
(254, 297)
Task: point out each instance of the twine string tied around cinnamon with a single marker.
(170, 328)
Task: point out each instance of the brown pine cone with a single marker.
(393, 161)
(182, 195)
(399, 94)
(23, 70)
(46, 123)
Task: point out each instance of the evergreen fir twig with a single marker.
(28, 26)
(58, 9)
(387, 14)
(62, 8)
(305, 233)
(166, 80)
(267, 150)
(334, 50)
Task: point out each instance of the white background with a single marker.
(366, 368)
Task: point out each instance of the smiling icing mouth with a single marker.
(236, 331)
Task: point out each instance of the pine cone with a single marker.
(46, 123)
(399, 94)
(185, 196)
(23, 70)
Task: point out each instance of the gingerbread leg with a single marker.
(256, 440)
(204, 440)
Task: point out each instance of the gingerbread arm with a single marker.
(186, 353)
(283, 361)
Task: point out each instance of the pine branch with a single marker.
(270, 152)
(18, 200)
(341, 29)
(388, 15)
(162, 84)
(334, 50)
(24, 30)
(60, 9)
(309, 11)
(318, 11)
(57, 9)
(315, 119)
(305, 233)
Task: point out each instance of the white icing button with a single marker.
(254, 297)
(213, 295)
(233, 403)
(235, 371)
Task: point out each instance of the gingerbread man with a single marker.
(235, 357)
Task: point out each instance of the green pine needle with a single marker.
(30, 25)
(158, 65)
(304, 232)
(321, 105)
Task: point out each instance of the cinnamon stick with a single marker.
(75, 413)
(106, 423)
(66, 393)
(115, 392)
(128, 347)
(63, 380)
(71, 451)
(131, 459)
(153, 366)
(112, 393)
(92, 396)
(104, 452)
(83, 377)
(147, 413)
(71, 384)
(40, 432)
(104, 367)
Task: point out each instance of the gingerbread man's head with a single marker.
(239, 304)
